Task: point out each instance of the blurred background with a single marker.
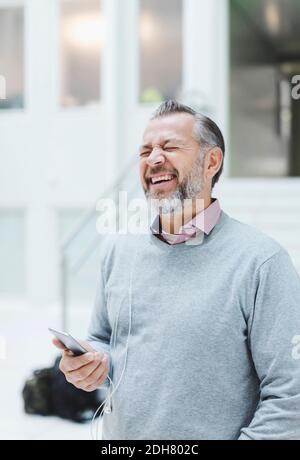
(82, 77)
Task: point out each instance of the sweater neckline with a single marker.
(185, 247)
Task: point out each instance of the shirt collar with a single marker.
(201, 224)
(206, 219)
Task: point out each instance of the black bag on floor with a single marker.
(48, 393)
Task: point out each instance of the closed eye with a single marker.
(146, 153)
(170, 149)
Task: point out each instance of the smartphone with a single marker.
(69, 342)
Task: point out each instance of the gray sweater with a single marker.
(214, 346)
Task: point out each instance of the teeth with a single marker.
(161, 178)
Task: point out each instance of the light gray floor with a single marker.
(23, 331)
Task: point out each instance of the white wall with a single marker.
(52, 158)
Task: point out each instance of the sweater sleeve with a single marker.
(99, 332)
(273, 333)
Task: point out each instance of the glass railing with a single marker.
(80, 257)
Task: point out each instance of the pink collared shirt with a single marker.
(193, 231)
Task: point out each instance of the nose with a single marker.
(156, 157)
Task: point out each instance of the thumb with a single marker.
(58, 344)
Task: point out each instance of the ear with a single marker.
(214, 162)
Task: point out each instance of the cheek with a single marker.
(142, 168)
(178, 165)
(188, 165)
(173, 162)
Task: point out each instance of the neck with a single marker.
(171, 223)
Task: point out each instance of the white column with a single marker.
(42, 249)
(112, 76)
(200, 43)
(206, 58)
(120, 82)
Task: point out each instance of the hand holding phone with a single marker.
(70, 343)
(86, 369)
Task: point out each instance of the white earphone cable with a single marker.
(108, 400)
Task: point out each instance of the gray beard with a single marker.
(191, 188)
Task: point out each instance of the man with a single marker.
(198, 320)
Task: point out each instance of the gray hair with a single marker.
(206, 131)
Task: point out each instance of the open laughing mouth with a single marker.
(162, 181)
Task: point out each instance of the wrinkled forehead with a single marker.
(177, 127)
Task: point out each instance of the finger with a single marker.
(72, 363)
(58, 344)
(87, 389)
(92, 387)
(99, 377)
(85, 372)
(97, 384)
(97, 374)
(86, 345)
